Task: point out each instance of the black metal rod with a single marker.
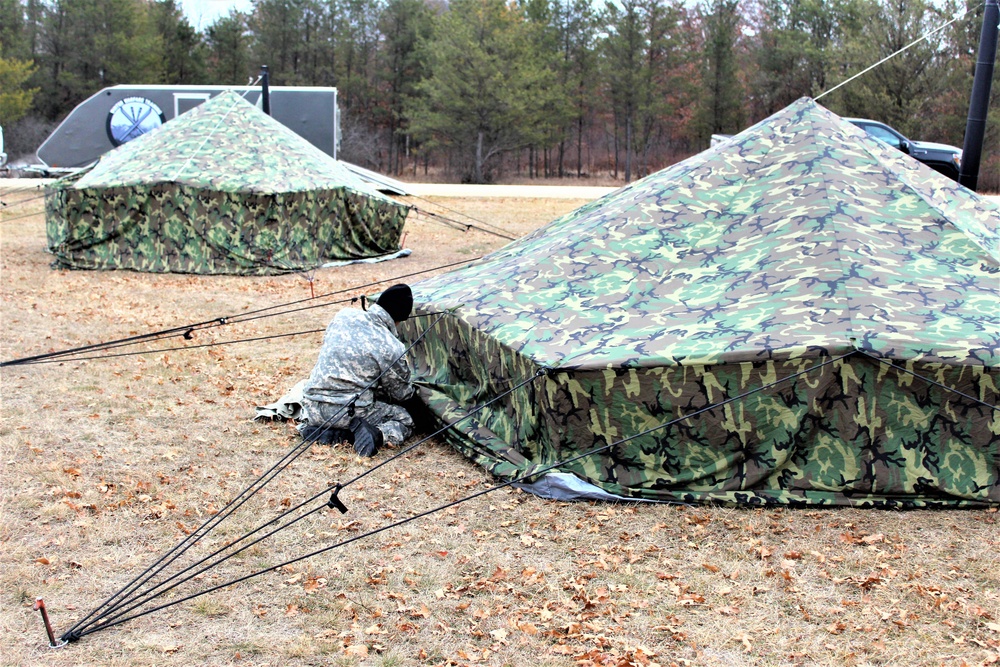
(979, 102)
(265, 88)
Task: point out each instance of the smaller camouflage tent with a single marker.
(222, 189)
(802, 315)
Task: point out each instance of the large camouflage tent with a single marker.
(223, 188)
(803, 315)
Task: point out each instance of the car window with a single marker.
(883, 134)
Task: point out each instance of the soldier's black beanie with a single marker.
(397, 301)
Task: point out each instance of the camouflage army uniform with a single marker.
(358, 346)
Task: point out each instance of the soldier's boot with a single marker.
(367, 439)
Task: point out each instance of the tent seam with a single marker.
(914, 190)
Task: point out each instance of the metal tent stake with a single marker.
(40, 607)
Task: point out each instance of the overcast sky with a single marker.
(203, 13)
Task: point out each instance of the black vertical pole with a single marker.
(265, 89)
(979, 102)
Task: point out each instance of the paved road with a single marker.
(538, 191)
(424, 189)
(8, 184)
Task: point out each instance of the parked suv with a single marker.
(939, 157)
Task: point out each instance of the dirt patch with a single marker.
(110, 462)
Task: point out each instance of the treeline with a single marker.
(485, 89)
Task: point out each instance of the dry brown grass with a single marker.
(106, 462)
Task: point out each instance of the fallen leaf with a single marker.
(979, 611)
(711, 568)
(360, 650)
(688, 599)
(42, 561)
(528, 628)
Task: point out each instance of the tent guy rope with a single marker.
(187, 329)
(109, 618)
(239, 500)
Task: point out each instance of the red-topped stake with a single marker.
(40, 606)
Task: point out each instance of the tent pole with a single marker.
(979, 102)
(265, 90)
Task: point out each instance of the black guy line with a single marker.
(887, 362)
(224, 514)
(148, 595)
(233, 319)
(528, 475)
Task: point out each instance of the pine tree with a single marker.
(228, 50)
(721, 106)
(403, 24)
(482, 92)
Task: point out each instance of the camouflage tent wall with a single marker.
(801, 316)
(223, 188)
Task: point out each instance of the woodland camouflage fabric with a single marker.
(223, 188)
(820, 309)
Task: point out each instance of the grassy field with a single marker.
(109, 462)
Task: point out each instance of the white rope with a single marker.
(893, 55)
(214, 129)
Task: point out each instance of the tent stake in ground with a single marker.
(40, 608)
